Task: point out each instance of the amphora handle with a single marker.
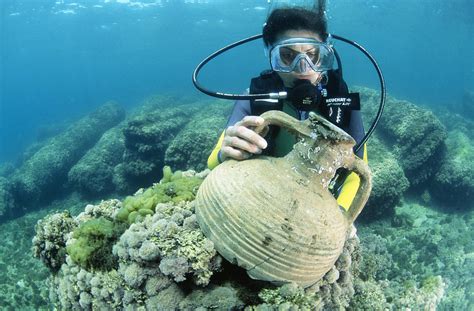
(359, 167)
(279, 118)
(315, 124)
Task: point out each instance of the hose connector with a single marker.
(279, 95)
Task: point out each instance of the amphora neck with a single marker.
(317, 158)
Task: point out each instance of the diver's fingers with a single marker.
(250, 121)
(242, 144)
(236, 154)
(246, 134)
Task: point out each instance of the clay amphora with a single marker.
(275, 217)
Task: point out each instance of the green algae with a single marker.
(93, 241)
(173, 187)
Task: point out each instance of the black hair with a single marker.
(294, 18)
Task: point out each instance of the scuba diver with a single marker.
(301, 56)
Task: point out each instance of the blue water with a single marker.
(60, 59)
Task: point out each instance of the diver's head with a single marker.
(289, 19)
(296, 41)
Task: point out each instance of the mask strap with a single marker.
(266, 51)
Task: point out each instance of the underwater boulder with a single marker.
(453, 184)
(44, 174)
(193, 144)
(414, 135)
(7, 203)
(147, 136)
(93, 174)
(389, 182)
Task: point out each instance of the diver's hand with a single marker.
(240, 140)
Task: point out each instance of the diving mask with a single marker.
(301, 55)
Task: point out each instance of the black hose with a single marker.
(382, 91)
(225, 95)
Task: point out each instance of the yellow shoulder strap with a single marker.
(350, 187)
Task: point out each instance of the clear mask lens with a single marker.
(301, 55)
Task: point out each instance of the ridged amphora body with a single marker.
(275, 217)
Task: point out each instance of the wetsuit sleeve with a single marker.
(214, 158)
(351, 184)
(240, 110)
